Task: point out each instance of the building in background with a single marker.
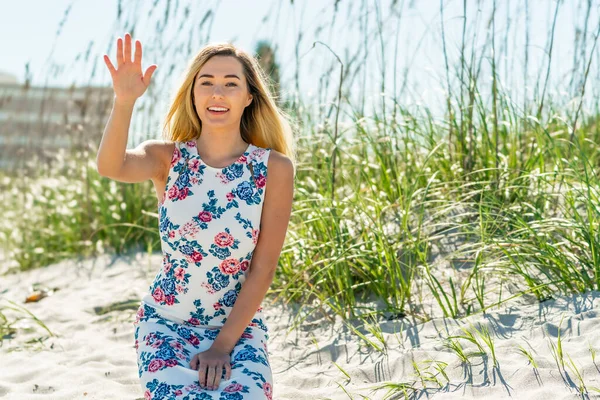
(37, 120)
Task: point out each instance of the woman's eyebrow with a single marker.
(212, 76)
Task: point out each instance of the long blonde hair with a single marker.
(263, 123)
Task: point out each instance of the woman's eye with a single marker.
(230, 83)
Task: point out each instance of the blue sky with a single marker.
(29, 31)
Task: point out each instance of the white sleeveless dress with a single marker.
(209, 222)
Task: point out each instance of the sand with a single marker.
(92, 355)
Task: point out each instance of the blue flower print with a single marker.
(168, 285)
(234, 171)
(217, 279)
(220, 252)
(162, 390)
(244, 190)
(229, 298)
(183, 180)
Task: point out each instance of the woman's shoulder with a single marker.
(275, 159)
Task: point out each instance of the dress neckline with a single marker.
(244, 154)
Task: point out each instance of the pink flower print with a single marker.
(196, 257)
(257, 153)
(156, 364)
(140, 314)
(217, 305)
(255, 232)
(178, 392)
(176, 156)
(208, 287)
(244, 265)
(229, 266)
(223, 239)
(193, 387)
(171, 234)
(183, 193)
(167, 267)
(158, 295)
(176, 345)
(222, 177)
(179, 288)
(205, 216)
(189, 228)
(171, 362)
(229, 196)
(194, 180)
(259, 309)
(247, 335)
(193, 164)
(233, 387)
(170, 299)
(137, 344)
(147, 395)
(268, 389)
(242, 159)
(194, 321)
(252, 324)
(180, 274)
(156, 344)
(260, 181)
(191, 143)
(173, 192)
(194, 340)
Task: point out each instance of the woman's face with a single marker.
(221, 83)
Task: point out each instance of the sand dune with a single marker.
(92, 356)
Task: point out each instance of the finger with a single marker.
(119, 52)
(210, 379)
(110, 66)
(218, 374)
(202, 373)
(227, 371)
(127, 48)
(194, 362)
(138, 52)
(148, 74)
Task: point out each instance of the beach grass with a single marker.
(399, 214)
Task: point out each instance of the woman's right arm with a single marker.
(127, 165)
(113, 159)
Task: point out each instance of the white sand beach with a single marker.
(92, 355)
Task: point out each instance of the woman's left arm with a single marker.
(275, 218)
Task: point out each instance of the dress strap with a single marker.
(257, 164)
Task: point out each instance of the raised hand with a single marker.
(128, 81)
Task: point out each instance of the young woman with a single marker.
(224, 182)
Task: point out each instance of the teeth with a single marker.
(217, 109)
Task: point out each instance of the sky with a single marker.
(40, 32)
(36, 31)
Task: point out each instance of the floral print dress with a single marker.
(209, 222)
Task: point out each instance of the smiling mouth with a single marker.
(217, 112)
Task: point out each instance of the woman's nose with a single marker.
(217, 91)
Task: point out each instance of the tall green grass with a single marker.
(394, 212)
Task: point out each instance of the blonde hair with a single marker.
(263, 123)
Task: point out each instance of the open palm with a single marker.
(128, 81)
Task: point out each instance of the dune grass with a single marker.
(393, 212)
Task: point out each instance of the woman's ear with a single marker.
(249, 100)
